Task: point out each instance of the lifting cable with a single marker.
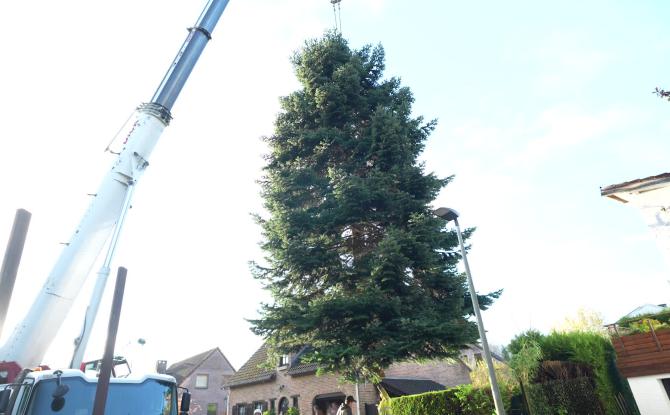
(337, 15)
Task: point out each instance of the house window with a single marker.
(272, 405)
(295, 401)
(212, 409)
(283, 360)
(201, 381)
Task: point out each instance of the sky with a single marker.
(538, 105)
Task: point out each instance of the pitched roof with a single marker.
(183, 369)
(400, 387)
(253, 370)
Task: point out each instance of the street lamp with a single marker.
(451, 215)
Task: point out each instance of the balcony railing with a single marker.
(641, 353)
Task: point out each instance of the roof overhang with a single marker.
(628, 191)
(252, 381)
(409, 386)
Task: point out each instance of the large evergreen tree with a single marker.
(358, 266)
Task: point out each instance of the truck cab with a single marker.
(72, 392)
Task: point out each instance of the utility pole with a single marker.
(451, 215)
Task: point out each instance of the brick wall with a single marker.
(307, 387)
(219, 370)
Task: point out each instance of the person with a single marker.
(332, 408)
(347, 407)
(257, 411)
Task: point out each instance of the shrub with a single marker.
(293, 411)
(591, 349)
(526, 358)
(569, 396)
(461, 400)
(507, 383)
(662, 317)
(642, 326)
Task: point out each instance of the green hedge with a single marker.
(461, 400)
(566, 396)
(591, 349)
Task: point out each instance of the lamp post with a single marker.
(451, 215)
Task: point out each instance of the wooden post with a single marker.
(108, 358)
(653, 333)
(10, 264)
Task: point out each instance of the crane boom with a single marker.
(33, 335)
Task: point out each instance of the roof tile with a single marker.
(253, 370)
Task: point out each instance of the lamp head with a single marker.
(446, 213)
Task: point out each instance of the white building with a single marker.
(651, 196)
(645, 360)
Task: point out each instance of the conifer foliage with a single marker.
(358, 266)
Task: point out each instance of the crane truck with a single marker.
(71, 391)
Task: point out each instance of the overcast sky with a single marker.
(538, 105)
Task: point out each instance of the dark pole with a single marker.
(108, 358)
(10, 264)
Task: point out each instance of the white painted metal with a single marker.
(34, 334)
(39, 376)
(100, 283)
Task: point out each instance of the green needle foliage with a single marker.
(359, 268)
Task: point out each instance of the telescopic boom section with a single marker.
(33, 335)
(181, 68)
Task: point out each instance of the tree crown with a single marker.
(358, 266)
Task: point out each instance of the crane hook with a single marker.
(337, 15)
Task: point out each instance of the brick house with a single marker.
(204, 375)
(295, 384)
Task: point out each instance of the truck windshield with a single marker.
(151, 397)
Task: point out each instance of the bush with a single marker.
(662, 318)
(293, 411)
(591, 349)
(569, 396)
(461, 400)
(507, 383)
(642, 326)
